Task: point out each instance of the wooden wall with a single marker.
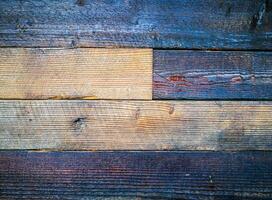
(136, 99)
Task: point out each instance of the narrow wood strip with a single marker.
(232, 24)
(135, 125)
(46, 73)
(151, 175)
(212, 75)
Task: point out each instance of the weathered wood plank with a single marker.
(135, 125)
(48, 73)
(151, 175)
(212, 75)
(232, 24)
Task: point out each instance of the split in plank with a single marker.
(179, 175)
(53, 73)
(135, 125)
(212, 75)
(232, 24)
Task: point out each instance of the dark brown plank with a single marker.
(212, 75)
(232, 24)
(135, 125)
(180, 175)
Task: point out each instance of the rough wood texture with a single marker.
(231, 24)
(151, 175)
(75, 73)
(212, 75)
(135, 125)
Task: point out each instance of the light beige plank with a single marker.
(135, 125)
(87, 73)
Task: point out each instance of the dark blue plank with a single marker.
(212, 75)
(229, 24)
(181, 175)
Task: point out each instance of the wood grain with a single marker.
(212, 75)
(89, 73)
(135, 125)
(139, 175)
(213, 24)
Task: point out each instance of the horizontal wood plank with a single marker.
(232, 24)
(135, 125)
(88, 73)
(151, 175)
(212, 75)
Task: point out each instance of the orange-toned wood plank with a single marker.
(75, 73)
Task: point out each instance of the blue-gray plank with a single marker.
(182, 74)
(136, 175)
(212, 24)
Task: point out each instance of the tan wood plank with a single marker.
(88, 73)
(135, 125)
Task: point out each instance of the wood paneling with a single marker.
(135, 125)
(151, 175)
(212, 75)
(121, 147)
(232, 24)
(48, 73)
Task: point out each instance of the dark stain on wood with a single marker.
(228, 10)
(137, 113)
(172, 109)
(232, 136)
(261, 19)
(80, 2)
(258, 18)
(211, 183)
(79, 123)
